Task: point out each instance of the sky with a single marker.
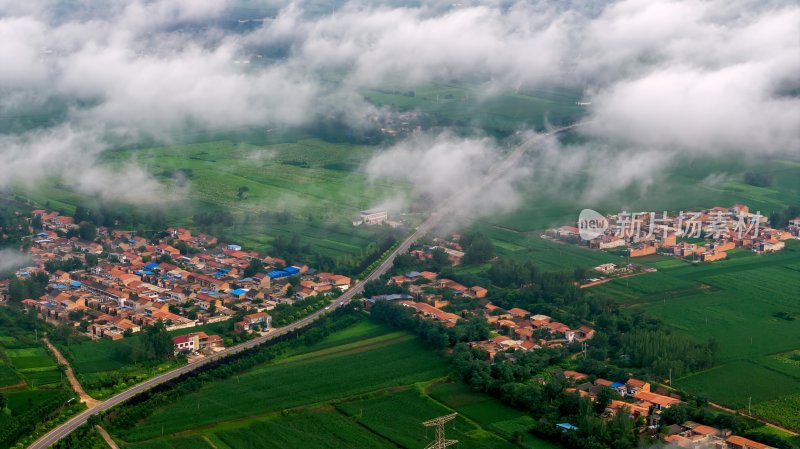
(665, 79)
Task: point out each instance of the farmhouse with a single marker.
(737, 442)
(428, 311)
(373, 216)
(253, 320)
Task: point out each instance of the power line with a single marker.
(441, 440)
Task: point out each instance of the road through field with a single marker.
(73, 381)
(445, 210)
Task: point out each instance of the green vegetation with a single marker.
(397, 417)
(105, 367)
(290, 383)
(459, 105)
(735, 302)
(31, 385)
(82, 438)
(491, 414)
(309, 200)
(306, 397)
(313, 429)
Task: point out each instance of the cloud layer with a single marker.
(664, 77)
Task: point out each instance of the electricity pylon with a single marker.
(441, 441)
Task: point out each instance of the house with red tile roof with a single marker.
(737, 442)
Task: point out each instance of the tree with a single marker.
(603, 400)
(255, 266)
(36, 222)
(478, 249)
(675, 415)
(91, 260)
(439, 259)
(240, 193)
(87, 231)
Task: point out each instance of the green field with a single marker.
(8, 376)
(319, 183)
(461, 105)
(737, 302)
(365, 386)
(29, 377)
(102, 372)
(484, 410)
(33, 365)
(548, 254)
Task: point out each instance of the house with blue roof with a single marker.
(565, 427)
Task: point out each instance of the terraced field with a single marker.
(365, 386)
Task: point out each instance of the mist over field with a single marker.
(662, 79)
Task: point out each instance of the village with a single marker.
(129, 282)
(704, 236)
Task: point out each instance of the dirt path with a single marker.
(210, 443)
(110, 442)
(73, 381)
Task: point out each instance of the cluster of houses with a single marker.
(515, 328)
(417, 282)
(427, 288)
(399, 124)
(519, 329)
(710, 233)
(636, 398)
(452, 248)
(137, 282)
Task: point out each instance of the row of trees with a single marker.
(437, 336)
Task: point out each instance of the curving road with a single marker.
(447, 209)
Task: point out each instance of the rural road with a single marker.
(446, 209)
(73, 381)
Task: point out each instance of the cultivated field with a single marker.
(320, 184)
(460, 105)
(737, 302)
(365, 386)
(30, 378)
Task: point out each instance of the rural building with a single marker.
(254, 319)
(373, 216)
(185, 343)
(642, 250)
(737, 442)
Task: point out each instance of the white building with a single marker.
(372, 217)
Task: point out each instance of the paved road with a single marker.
(447, 209)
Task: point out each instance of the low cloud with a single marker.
(665, 79)
(11, 260)
(439, 167)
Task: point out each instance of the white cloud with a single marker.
(11, 260)
(665, 77)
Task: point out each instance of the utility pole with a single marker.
(670, 377)
(441, 441)
(749, 401)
